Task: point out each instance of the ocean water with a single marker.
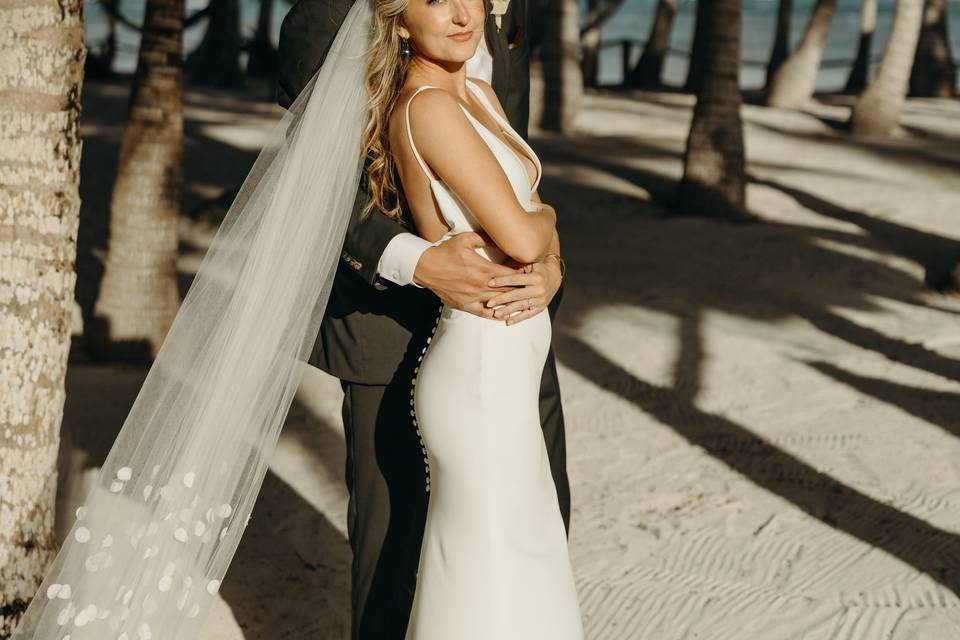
(632, 21)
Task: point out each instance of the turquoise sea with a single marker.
(632, 21)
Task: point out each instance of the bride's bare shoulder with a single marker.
(435, 96)
(432, 110)
(429, 100)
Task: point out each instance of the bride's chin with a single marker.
(453, 62)
(463, 52)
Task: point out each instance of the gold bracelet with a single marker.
(563, 266)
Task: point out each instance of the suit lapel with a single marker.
(496, 40)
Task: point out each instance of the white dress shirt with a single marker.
(400, 257)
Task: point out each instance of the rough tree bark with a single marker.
(138, 296)
(877, 111)
(41, 77)
(714, 175)
(794, 82)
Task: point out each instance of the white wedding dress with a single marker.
(494, 563)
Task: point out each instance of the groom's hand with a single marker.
(459, 275)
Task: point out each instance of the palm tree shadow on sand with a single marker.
(912, 540)
(937, 254)
(931, 406)
(290, 576)
(784, 271)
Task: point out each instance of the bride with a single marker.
(494, 561)
(156, 533)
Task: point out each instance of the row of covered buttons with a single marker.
(413, 413)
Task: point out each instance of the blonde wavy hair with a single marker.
(386, 74)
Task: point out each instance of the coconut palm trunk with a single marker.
(216, 60)
(698, 50)
(934, 73)
(877, 111)
(262, 62)
(43, 48)
(649, 68)
(138, 296)
(99, 61)
(598, 13)
(590, 44)
(794, 82)
(110, 48)
(781, 42)
(560, 55)
(714, 176)
(860, 71)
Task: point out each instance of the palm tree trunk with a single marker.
(99, 61)
(110, 50)
(649, 68)
(262, 62)
(698, 50)
(794, 82)
(138, 296)
(781, 43)
(606, 10)
(877, 111)
(860, 70)
(861, 66)
(590, 44)
(714, 176)
(216, 60)
(40, 148)
(934, 73)
(562, 79)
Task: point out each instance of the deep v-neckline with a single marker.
(507, 131)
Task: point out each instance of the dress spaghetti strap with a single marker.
(508, 129)
(488, 105)
(503, 122)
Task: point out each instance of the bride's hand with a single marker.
(537, 282)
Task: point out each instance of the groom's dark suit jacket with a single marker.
(368, 324)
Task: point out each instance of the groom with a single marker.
(383, 304)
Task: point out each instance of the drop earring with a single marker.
(404, 47)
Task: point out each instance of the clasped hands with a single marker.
(462, 278)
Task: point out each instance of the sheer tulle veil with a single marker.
(154, 537)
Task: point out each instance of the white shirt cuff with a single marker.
(400, 258)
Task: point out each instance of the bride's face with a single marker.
(435, 28)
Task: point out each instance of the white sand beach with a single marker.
(763, 420)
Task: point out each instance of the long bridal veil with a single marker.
(154, 537)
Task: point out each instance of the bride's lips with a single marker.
(462, 36)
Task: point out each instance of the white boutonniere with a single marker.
(499, 8)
